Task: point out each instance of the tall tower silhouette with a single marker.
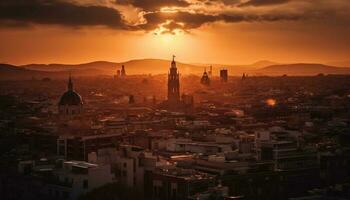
(223, 75)
(173, 84)
(122, 71)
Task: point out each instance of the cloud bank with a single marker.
(169, 15)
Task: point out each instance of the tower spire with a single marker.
(205, 80)
(70, 82)
(173, 63)
(173, 84)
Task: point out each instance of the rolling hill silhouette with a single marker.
(158, 66)
(301, 69)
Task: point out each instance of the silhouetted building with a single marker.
(174, 102)
(187, 102)
(244, 76)
(71, 103)
(173, 85)
(154, 100)
(205, 80)
(210, 73)
(122, 71)
(131, 99)
(223, 75)
(79, 147)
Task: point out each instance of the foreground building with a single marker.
(75, 178)
(177, 183)
(79, 147)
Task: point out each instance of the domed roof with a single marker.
(71, 98)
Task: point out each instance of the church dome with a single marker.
(71, 98)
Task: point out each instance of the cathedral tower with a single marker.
(173, 84)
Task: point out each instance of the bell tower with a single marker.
(173, 84)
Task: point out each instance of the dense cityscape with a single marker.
(176, 137)
(174, 99)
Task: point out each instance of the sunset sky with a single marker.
(197, 31)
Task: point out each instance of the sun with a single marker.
(170, 27)
(164, 37)
(169, 38)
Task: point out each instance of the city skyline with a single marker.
(174, 99)
(155, 137)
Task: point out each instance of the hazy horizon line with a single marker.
(179, 61)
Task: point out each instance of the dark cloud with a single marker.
(153, 5)
(172, 25)
(263, 2)
(58, 13)
(195, 20)
(23, 13)
(190, 20)
(261, 18)
(13, 24)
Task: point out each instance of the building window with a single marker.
(85, 184)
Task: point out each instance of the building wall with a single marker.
(70, 110)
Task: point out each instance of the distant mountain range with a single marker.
(340, 63)
(158, 66)
(142, 66)
(301, 69)
(8, 72)
(256, 65)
